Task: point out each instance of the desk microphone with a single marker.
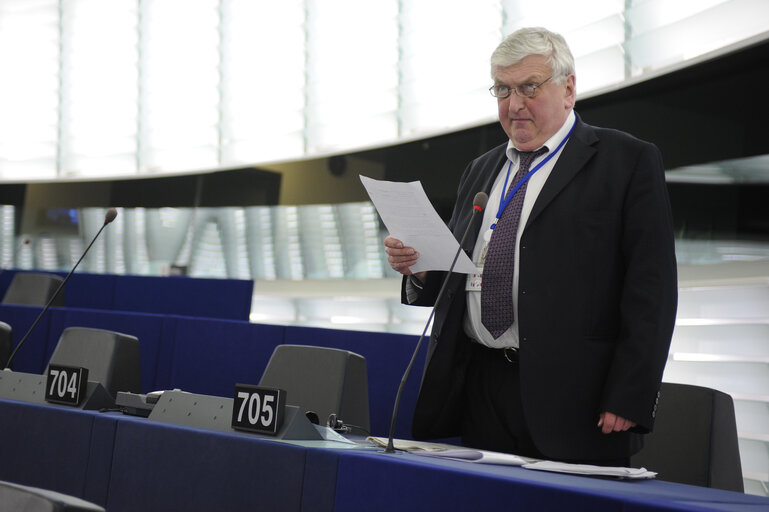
(109, 217)
(479, 203)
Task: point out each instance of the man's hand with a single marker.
(610, 422)
(400, 257)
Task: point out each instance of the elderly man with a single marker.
(555, 348)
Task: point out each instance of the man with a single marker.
(566, 362)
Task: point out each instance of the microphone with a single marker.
(109, 217)
(479, 203)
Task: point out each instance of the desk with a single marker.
(186, 296)
(380, 482)
(128, 463)
(210, 355)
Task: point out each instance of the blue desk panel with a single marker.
(55, 448)
(387, 482)
(129, 463)
(210, 298)
(90, 291)
(161, 468)
(210, 356)
(33, 356)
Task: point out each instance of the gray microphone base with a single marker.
(215, 413)
(30, 387)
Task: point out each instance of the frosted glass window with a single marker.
(135, 245)
(208, 258)
(99, 87)
(557, 15)
(595, 35)
(263, 80)
(179, 85)
(259, 240)
(445, 49)
(352, 75)
(286, 243)
(8, 244)
(106, 89)
(666, 32)
(29, 60)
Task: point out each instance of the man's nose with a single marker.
(514, 102)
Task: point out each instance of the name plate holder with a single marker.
(258, 409)
(31, 387)
(215, 413)
(66, 385)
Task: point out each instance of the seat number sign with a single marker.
(66, 384)
(258, 409)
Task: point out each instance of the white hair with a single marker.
(535, 41)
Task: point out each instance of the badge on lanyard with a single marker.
(474, 281)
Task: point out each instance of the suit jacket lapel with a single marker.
(576, 153)
(486, 176)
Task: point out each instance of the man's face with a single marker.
(529, 122)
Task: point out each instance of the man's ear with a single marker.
(570, 92)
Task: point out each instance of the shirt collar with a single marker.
(552, 142)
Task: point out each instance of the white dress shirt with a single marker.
(472, 324)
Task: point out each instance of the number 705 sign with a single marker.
(258, 409)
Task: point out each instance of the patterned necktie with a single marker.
(497, 280)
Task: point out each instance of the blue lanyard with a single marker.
(504, 201)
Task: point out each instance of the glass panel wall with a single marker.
(103, 89)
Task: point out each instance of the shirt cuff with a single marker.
(413, 287)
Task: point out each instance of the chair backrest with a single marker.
(15, 497)
(34, 289)
(322, 380)
(694, 439)
(5, 343)
(112, 358)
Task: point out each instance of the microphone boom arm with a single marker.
(109, 217)
(479, 203)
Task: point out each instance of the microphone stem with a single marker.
(50, 301)
(390, 439)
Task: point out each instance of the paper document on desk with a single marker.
(450, 451)
(408, 445)
(589, 470)
(481, 457)
(410, 217)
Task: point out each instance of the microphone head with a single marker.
(480, 200)
(110, 216)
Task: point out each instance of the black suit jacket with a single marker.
(596, 302)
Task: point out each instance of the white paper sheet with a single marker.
(410, 217)
(447, 451)
(480, 457)
(586, 469)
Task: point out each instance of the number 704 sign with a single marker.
(258, 409)
(66, 384)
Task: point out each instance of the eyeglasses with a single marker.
(524, 90)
